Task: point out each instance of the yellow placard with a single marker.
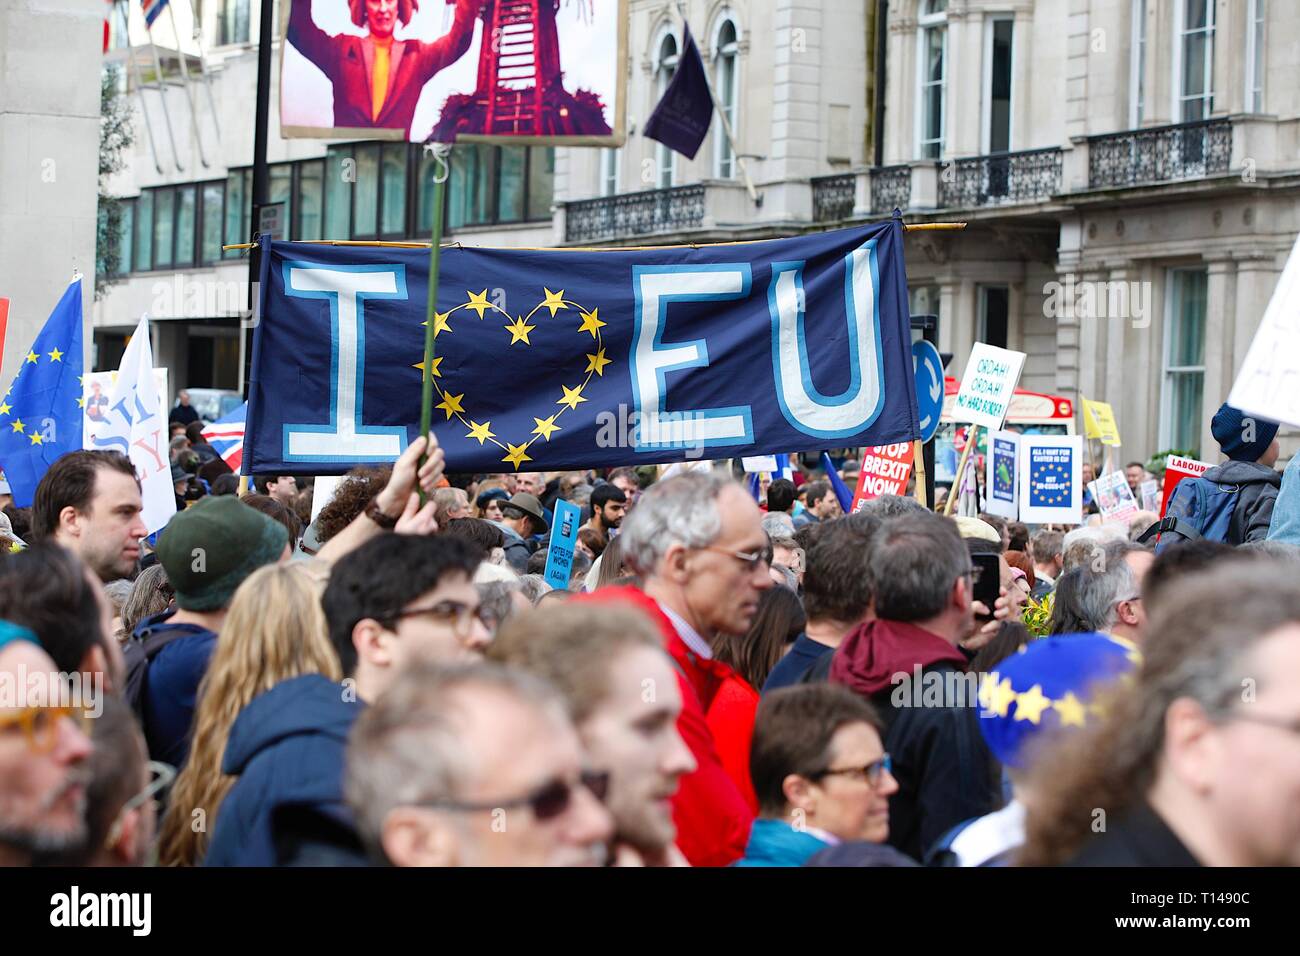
(1099, 422)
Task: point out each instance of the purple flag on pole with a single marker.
(682, 118)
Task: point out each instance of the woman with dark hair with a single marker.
(778, 621)
(377, 79)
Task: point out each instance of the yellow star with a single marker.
(590, 323)
(436, 362)
(450, 404)
(516, 455)
(554, 301)
(440, 323)
(1000, 696)
(56, 355)
(37, 438)
(31, 357)
(1031, 704)
(4, 407)
(478, 302)
(545, 426)
(80, 379)
(481, 432)
(519, 331)
(572, 396)
(81, 403)
(596, 363)
(17, 425)
(1071, 710)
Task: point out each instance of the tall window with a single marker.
(609, 161)
(997, 85)
(232, 22)
(185, 225)
(933, 37)
(143, 245)
(1255, 57)
(310, 198)
(213, 198)
(164, 225)
(1195, 57)
(994, 301)
(1184, 378)
(1137, 64)
(724, 84)
(665, 158)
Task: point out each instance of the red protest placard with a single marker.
(885, 470)
(1176, 469)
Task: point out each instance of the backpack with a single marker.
(1200, 509)
(139, 653)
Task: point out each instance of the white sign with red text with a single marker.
(885, 470)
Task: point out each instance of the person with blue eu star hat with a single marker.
(1049, 687)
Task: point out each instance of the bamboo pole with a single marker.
(378, 244)
(918, 459)
(443, 152)
(972, 436)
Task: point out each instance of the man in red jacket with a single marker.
(698, 542)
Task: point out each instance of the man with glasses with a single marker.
(396, 601)
(474, 765)
(821, 775)
(697, 540)
(907, 662)
(43, 753)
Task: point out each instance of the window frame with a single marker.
(927, 23)
(665, 68)
(1180, 35)
(1167, 371)
(1256, 13)
(1137, 63)
(724, 157)
(986, 95)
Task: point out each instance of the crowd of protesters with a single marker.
(391, 678)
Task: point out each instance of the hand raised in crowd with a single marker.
(408, 471)
(1006, 607)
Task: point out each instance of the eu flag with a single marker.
(41, 413)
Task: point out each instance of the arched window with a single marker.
(725, 85)
(665, 68)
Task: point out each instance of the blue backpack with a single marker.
(1199, 509)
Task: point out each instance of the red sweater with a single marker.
(731, 721)
(711, 816)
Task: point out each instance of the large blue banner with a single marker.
(551, 360)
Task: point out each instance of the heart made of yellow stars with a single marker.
(520, 330)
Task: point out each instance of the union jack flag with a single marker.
(152, 8)
(226, 435)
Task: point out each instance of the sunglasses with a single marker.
(40, 725)
(546, 802)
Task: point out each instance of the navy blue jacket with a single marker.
(798, 662)
(172, 685)
(287, 748)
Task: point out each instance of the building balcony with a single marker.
(1032, 175)
(1160, 154)
(646, 213)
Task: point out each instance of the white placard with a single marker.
(1001, 487)
(1268, 384)
(759, 463)
(987, 386)
(1051, 479)
(96, 387)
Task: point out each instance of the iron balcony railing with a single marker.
(1160, 154)
(1026, 176)
(833, 197)
(643, 213)
(891, 188)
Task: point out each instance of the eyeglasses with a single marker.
(459, 617)
(872, 772)
(40, 725)
(750, 559)
(161, 776)
(547, 802)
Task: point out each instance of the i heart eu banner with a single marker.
(556, 359)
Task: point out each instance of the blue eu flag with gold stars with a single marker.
(41, 413)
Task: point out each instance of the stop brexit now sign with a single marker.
(885, 470)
